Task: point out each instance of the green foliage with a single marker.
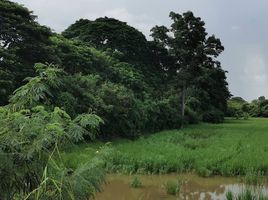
(194, 55)
(87, 124)
(227, 149)
(109, 68)
(120, 105)
(39, 89)
(191, 117)
(245, 195)
(109, 33)
(23, 43)
(30, 129)
(108, 80)
(76, 57)
(239, 108)
(136, 182)
(253, 177)
(213, 116)
(236, 107)
(6, 85)
(27, 138)
(172, 187)
(246, 116)
(117, 105)
(229, 196)
(163, 113)
(62, 182)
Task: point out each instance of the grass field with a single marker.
(236, 147)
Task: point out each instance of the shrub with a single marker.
(213, 116)
(31, 132)
(245, 195)
(173, 187)
(229, 196)
(28, 141)
(136, 183)
(162, 113)
(191, 117)
(121, 111)
(253, 177)
(246, 116)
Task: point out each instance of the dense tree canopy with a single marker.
(108, 33)
(23, 42)
(240, 108)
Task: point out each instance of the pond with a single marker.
(117, 187)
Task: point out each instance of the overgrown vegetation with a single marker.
(32, 132)
(240, 108)
(136, 182)
(254, 177)
(245, 195)
(172, 187)
(234, 148)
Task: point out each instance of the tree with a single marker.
(236, 107)
(108, 33)
(194, 52)
(23, 42)
(259, 107)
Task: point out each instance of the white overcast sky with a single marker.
(241, 25)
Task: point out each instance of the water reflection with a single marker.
(118, 187)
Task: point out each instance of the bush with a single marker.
(191, 117)
(136, 183)
(32, 132)
(245, 195)
(28, 142)
(162, 113)
(121, 111)
(229, 195)
(253, 177)
(172, 187)
(213, 116)
(246, 116)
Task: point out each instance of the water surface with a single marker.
(117, 187)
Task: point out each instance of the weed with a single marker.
(194, 144)
(245, 195)
(253, 177)
(136, 182)
(229, 196)
(173, 187)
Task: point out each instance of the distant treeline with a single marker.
(240, 108)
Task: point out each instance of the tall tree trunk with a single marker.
(183, 104)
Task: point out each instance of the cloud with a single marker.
(142, 22)
(251, 80)
(235, 28)
(255, 69)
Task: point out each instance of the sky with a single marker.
(241, 25)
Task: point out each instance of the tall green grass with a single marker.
(245, 195)
(233, 148)
(173, 187)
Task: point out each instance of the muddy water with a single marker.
(117, 187)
